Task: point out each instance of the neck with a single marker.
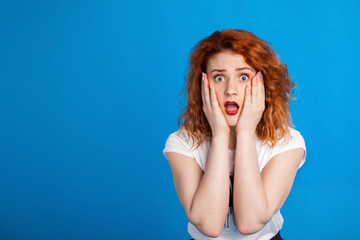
(232, 139)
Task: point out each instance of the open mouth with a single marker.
(231, 108)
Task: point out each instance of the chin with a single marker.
(231, 122)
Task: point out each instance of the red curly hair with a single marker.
(260, 55)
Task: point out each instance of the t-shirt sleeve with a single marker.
(296, 141)
(178, 143)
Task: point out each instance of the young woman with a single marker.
(235, 156)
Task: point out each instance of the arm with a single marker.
(258, 196)
(204, 196)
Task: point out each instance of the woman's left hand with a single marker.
(253, 106)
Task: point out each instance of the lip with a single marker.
(231, 112)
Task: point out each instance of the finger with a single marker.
(213, 98)
(261, 92)
(206, 92)
(202, 88)
(254, 89)
(247, 102)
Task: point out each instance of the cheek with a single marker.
(243, 89)
(218, 90)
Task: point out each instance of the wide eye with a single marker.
(244, 77)
(219, 78)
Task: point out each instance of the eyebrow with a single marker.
(238, 69)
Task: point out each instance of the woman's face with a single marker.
(229, 74)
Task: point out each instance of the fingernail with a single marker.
(203, 78)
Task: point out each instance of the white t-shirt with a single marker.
(180, 142)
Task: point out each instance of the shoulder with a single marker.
(180, 136)
(294, 138)
(292, 141)
(180, 142)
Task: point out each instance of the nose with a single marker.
(231, 88)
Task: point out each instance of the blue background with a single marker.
(90, 92)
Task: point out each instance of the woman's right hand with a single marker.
(212, 109)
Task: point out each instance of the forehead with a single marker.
(226, 60)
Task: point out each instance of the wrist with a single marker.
(221, 137)
(221, 133)
(245, 134)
